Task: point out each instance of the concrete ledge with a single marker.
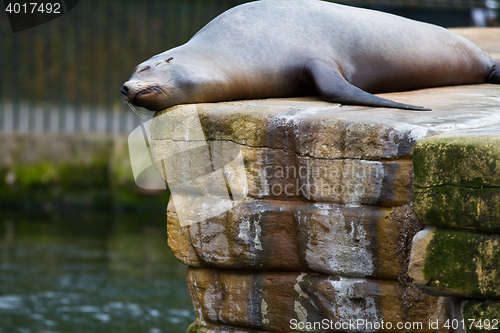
(314, 128)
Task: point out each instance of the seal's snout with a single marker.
(144, 94)
(124, 90)
(129, 91)
(131, 88)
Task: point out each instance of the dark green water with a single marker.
(90, 273)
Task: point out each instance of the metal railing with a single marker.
(55, 118)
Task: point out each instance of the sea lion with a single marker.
(284, 48)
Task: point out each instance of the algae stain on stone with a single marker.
(301, 312)
(250, 232)
(244, 231)
(447, 250)
(488, 276)
(256, 240)
(264, 312)
(297, 287)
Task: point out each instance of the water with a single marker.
(90, 273)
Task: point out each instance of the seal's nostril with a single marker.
(124, 91)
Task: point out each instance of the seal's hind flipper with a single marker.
(334, 88)
(494, 76)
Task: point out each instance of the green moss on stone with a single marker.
(35, 174)
(84, 176)
(215, 328)
(459, 207)
(195, 328)
(472, 161)
(463, 263)
(47, 172)
(63, 174)
(446, 254)
(487, 312)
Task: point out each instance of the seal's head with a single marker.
(161, 82)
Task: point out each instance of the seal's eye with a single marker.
(169, 59)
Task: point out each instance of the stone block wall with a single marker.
(457, 194)
(321, 241)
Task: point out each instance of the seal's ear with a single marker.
(169, 59)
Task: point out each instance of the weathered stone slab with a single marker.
(459, 207)
(314, 128)
(272, 235)
(307, 126)
(464, 158)
(282, 174)
(456, 263)
(287, 302)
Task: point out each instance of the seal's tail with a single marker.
(494, 76)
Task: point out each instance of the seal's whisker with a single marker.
(144, 115)
(165, 92)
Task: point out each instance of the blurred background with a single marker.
(82, 248)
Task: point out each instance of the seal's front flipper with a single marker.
(334, 88)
